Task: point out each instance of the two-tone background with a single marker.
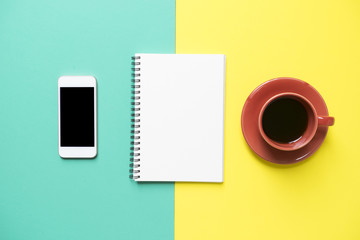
(45, 197)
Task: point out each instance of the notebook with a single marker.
(177, 117)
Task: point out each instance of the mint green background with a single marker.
(41, 195)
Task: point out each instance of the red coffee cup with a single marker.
(314, 121)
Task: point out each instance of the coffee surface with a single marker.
(284, 120)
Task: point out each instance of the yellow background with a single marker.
(316, 41)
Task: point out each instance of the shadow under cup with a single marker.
(288, 121)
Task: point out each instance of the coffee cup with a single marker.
(288, 121)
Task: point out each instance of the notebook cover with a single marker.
(181, 117)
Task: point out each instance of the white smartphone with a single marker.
(77, 116)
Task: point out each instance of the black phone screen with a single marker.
(77, 113)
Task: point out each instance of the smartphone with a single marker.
(77, 113)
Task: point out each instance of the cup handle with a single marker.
(325, 121)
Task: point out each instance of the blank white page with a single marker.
(181, 117)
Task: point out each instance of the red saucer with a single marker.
(250, 114)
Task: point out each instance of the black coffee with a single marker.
(284, 120)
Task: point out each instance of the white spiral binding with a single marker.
(135, 119)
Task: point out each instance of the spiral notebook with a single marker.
(178, 117)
